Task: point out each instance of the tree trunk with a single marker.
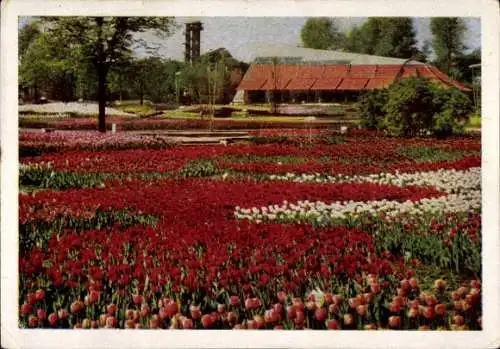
(101, 93)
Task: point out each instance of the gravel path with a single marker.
(73, 107)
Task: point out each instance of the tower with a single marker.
(192, 41)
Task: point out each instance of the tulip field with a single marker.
(294, 229)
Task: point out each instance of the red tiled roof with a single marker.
(353, 84)
(379, 83)
(362, 71)
(336, 76)
(326, 83)
(301, 83)
(276, 84)
(340, 70)
(251, 84)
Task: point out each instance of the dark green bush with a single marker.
(415, 107)
(370, 106)
(452, 109)
(410, 108)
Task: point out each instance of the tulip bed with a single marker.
(294, 230)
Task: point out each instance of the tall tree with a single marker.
(27, 36)
(447, 41)
(389, 37)
(48, 65)
(104, 42)
(321, 33)
(397, 38)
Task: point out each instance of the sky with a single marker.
(236, 33)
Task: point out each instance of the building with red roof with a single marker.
(307, 75)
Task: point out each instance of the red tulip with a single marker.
(368, 297)
(76, 306)
(370, 327)
(26, 309)
(298, 304)
(235, 301)
(362, 309)
(206, 321)
(333, 308)
(138, 325)
(281, 297)
(278, 327)
(171, 308)
(251, 325)
(33, 321)
(332, 324)
(394, 321)
(337, 299)
(458, 320)
(111, 322)
(163, 313)
(137, 298)
(39, 295)
(31, 298)
(395, 307)
(41, 314)
(320, 314)
(278, 307)
(53, 319)
(405, 285)
(145, 310)
(310, 305)
(354, 302)
(375, 288)
(328, 298)
(428, 312)
(413, 283)
(299, 318)
(440, 309)
(475, 284)
(111, 309)
(291, 312)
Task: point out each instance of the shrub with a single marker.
(370, 106)
(452, 108)
(415, 107)
(409, 108)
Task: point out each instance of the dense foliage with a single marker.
(415, 107)
(322, 34)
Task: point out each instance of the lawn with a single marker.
(293, 230)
